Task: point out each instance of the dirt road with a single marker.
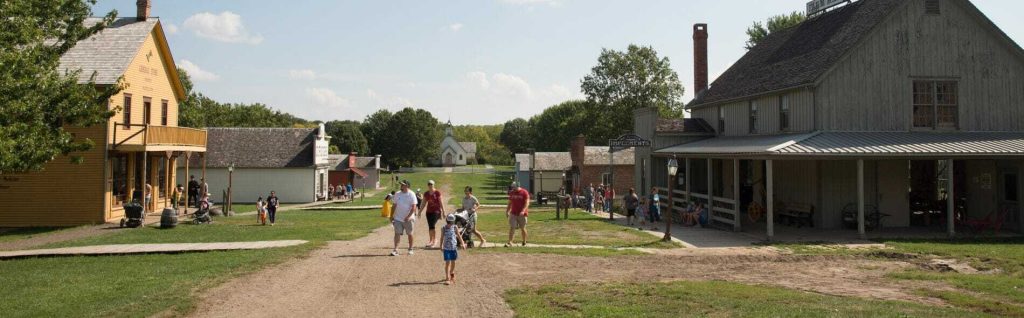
(358, 279)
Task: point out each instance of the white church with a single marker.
(455, 153)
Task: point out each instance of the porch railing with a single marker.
(723, 210)
(147, 135)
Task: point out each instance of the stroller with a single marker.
(133, 215)
(202, 216)
(463, 220)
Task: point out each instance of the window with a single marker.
(1010, 187)
(146, 108)
(163, 112)
(127, 112)
(936, 104)
(753, 117)
(721, 120)
(606, 178)
(161, 177)
(119, 178)
(932, 7)
(784, 113)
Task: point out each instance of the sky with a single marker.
(468, 61)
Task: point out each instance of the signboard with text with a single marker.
(629, 141)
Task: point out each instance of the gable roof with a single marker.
(259, 147)
(799, 55)
(523, 159)
(110, 52)
(598, 155)
(470, 147)
(901, 144)
(339, 162)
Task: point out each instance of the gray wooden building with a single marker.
(884, 111)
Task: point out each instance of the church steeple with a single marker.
(448, 128)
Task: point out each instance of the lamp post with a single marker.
(231, 172)
(540, 181)
(673, 168)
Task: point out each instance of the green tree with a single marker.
(38, 100)
(374, 128)
(414, 136)
(555, 128)
(624, 81)
(516, 135)
(758, 31)
(347, 136)
(489, 149)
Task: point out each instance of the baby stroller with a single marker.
(202, 216)
(133, 215)
(464, 221)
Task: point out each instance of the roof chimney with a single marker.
(352, 159)
(142, 9)
(700, 57)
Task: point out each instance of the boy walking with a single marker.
(516, 211)
(450, 235)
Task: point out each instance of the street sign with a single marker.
(629, 141)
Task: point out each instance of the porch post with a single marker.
(711, 187)
(145, 173)
(687, 180)
(770, 198)
(950, 203)
(736, 194)
(188, 156)
(860, 199)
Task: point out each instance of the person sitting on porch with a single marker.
(692, 215)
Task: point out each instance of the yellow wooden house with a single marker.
(141, 144)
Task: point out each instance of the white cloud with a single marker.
(372, 94)
(511, 85)
(170, 29)
(197, 73)
(224, 27)
(479, 78)
(455, 27)
(302, 74)
(326, 97)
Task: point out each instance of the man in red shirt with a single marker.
(516, 211)
(435, 210)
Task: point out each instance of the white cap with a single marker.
(451, 218)
(430, 182)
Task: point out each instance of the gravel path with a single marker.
(358, 279)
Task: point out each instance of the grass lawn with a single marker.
(14, 234)
(291, 225)
(702, 299)
(1001, 293)
(143, 285)
(489, 188)
(580, 229)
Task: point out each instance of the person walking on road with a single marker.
(450, 236)
(435, 210)
(654, 207)
(630, 201)
(272, 204)
(403, 216)
(470, 204)
(588, 195)
(193, 192)
(516, 211)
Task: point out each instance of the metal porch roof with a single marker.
(860, 144)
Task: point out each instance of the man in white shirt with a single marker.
(403, 218)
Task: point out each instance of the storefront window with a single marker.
(161, 171)
(119, 179)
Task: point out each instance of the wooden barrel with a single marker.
(169, 218)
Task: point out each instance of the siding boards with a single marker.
(737, 122)
(62, 194)
(146, 77)
(871, 89)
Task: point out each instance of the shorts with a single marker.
(630, 212)
(516, 221)
(405, 227)
(432, 220)
(450, 255)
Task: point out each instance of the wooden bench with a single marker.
(797, 214)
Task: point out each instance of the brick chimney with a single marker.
(576, 150)
(142, 9)
(352, 159)
(700, 57)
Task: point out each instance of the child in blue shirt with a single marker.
(451, 241)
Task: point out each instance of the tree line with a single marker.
(38, 101)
